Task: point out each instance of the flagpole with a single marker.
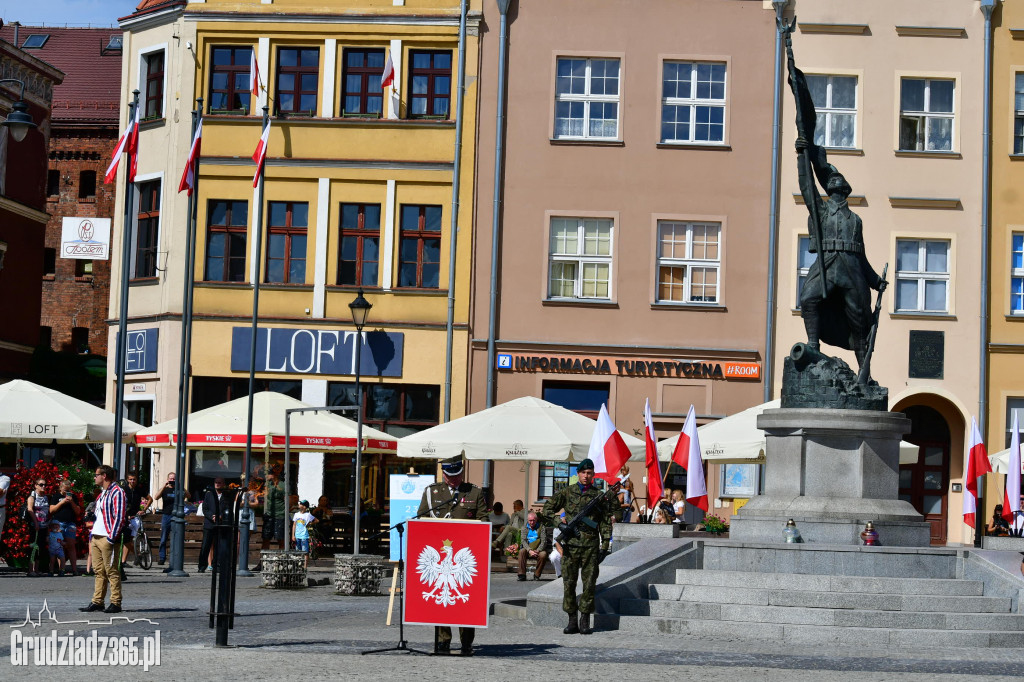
(257, 255)
(122, 322)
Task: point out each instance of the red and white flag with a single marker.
(654, 484)
(129, 143)
(260, 155)
(607, 449)
(254, 75)
(687, 455)
(977, 464)
(1011, 493)
(388, 77)
(188, 177)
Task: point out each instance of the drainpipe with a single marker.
(456, 178)
(987, 7)
(773, 210)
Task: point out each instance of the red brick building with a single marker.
(84, 132)
(22, 205)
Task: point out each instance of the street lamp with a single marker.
(19, 120)
(360, 308)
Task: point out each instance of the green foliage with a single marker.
(715, 524)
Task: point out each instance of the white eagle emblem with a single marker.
(446, 575)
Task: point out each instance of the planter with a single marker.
(283, 570)
(360, 574)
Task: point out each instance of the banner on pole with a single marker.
(406, 493)
(448, 579)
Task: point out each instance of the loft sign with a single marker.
(690, 369)
(85, 238)
(318, 351)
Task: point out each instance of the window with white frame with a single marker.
(1014, 406)
(1018, 113)
(804, 260)
(922, 275)
(926, 114)
(580, 258)
(1017, 274)
(835, 100)
(689, 262)
(587, 98)
(693, 102)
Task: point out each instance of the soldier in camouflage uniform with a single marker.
(581, 554)
(453, 498)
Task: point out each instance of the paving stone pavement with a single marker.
(314, 634)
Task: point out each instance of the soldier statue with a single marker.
(453, 498)
(583, 553)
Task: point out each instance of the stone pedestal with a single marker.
(831, 471)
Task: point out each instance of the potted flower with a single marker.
(714, 525)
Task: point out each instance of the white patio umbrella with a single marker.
(1001, 461)
(30, 413)
(737, 440)
(222, 427)
(526, 429)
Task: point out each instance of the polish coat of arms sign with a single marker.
(447, 581)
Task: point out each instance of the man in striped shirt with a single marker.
(106, 560)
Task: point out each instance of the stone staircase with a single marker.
(811, 608)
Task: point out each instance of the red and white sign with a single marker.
(448, 573)
(85, 238)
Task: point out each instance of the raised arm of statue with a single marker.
(808, 187)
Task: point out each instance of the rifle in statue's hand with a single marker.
(571, 529)
(865, 369)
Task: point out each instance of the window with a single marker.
(1018, 118)
(35, 41)
(689, 261)
(1017, 274)
(693, 102)
(80, 340)
(230, 80)
(804, 260)
(154, 86)
(360, 244)
(298, 76)
(46, 336)
(115, 43)
(1013, 406)
(87, 184)
(922, 276)
(420, 247)
(835, 100)
(53, 183)
(397, 409)
(430, 84)
(581, 258)
(226, 236)
(583, 397)
(83, 268)
(363, 95)
(147, 225)
(49, 262)
(587, 99)
(926, 115)
(286, 245)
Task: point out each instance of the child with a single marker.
(300, 528)
(56, 547)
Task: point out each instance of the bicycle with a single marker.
(143, 552)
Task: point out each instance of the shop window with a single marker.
(397, 409)
(584, 397)
(210, 391)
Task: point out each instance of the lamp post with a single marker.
(360, 308)
(19, 121)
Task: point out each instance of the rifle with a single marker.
(865, 369)
(571, 529)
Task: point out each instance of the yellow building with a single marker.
(358, 194)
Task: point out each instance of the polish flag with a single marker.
(129, 143)
(607, 449)
(388, 77)
(654, 485)
(254, 74)
(260, 155)
(188, 177)
(1011, 493)
(977, 464)
(687, 455)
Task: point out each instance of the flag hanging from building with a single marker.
(188, 177)
(260, 155)
(1011, 493)
(654, 485)
(129, 143)
(687, 455)
(977, 464)
(607, 449)
(388, 77)
(254, 75)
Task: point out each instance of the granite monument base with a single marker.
(831, 471)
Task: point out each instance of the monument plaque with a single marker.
(927, 353)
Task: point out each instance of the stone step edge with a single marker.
(812, 591)
(879, 612)
(797, 576)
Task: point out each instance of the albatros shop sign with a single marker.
(689, 369)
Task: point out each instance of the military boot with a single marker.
(585, 628)
(573, 627)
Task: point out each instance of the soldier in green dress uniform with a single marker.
(583, 553)
(453, 498)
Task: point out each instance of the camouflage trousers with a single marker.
(583, 560)
(443, 635)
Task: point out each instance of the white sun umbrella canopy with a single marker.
(521, 429)
(30, 413)
(1001, 461)
(737, 440)
(223, 427)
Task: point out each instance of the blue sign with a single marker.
(318, 351)
(406, 492)
(504, 361)
(140, 354)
